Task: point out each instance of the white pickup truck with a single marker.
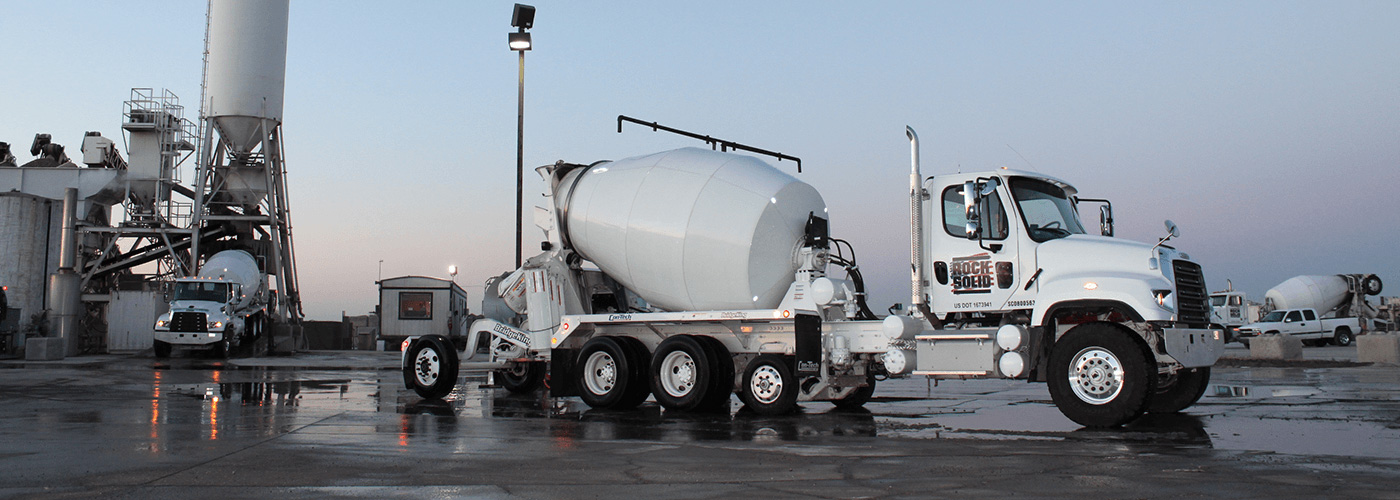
(1303, 324)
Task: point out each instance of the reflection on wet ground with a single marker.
(1342, 411)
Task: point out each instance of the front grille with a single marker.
(188, 322)
(1192, 301)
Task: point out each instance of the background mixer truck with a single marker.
(712, 278)
(220, 309)
(1317, 309)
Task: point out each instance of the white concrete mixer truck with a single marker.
(1317, 309)
(712, 277)
(220, 309)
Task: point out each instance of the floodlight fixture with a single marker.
(523, 17)
(520, 40)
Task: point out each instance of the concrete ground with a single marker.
(340, 424)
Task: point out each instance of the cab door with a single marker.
(968, 275)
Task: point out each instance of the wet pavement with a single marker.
(342, 425)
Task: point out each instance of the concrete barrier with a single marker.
(1275, 347)
(43, 349)
(1382, 348)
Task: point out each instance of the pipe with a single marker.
(64, 285)
(916, 230)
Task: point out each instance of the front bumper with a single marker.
(1194, 347)
(189, 338)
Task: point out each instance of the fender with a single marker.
(1042, 336)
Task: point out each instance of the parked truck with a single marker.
(1230, 309)
(714, 275)
(1317, 309)
(220, 309)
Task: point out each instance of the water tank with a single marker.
(691, 229)
(1322, 293)
(246, 69)
(237, 266)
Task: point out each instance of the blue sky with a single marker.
(1269, 131)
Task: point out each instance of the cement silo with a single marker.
(241, 194)
(247, 70)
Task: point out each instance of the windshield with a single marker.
(1272, 317)
(1217, 300)
(207, 291)
(1046, 209)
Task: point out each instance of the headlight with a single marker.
(215, 325)
(160, 323)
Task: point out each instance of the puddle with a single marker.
(1258, 392)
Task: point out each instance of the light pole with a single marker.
(522, 19)
(381, 269)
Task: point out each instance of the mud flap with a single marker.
(561, 369)
(808, 332)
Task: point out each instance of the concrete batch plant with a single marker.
(81, 279)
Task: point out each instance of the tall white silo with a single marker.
(247, 70)
(241, 194)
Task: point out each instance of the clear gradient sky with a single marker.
(1269, 131)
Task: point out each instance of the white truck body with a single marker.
(214, 309)
(1116, 327)
(1304, 324)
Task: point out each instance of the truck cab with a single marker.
(202, 315)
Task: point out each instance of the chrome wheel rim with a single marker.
(766, 384)
(678, 374)
(1096, 376)
(600, 373)
(426, 367)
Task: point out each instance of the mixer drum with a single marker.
(691, 229)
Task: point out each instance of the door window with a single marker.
(1308, 315)
(1293, 316)
(955, 214)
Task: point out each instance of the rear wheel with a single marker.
(521, 377)
(606, 374)
(769, 387)
(1342, 337)
(680, 373)
(1180, 391)
(1100, 375)
(722, 368)
(860, 396)
(431, 367)
(162, 349)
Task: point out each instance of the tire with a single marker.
(161, 348)
(1342, 337)
(680, 373)
(431, 367)
(722, 374)
(223, 348)
(522, 378)
(605, 373)
(858, 397)
(1180, 391)
(1372, 285)
(769, 387)
(1114, 375)
(641, 364)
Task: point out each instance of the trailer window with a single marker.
(955, 214)
(415, 305)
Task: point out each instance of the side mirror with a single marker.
(973, 215)
(1106, 220)
(1171, 229)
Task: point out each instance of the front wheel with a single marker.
(1342, 337)
(769, 387)
(1180, 391)
(1101, 375)
(431, 367)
